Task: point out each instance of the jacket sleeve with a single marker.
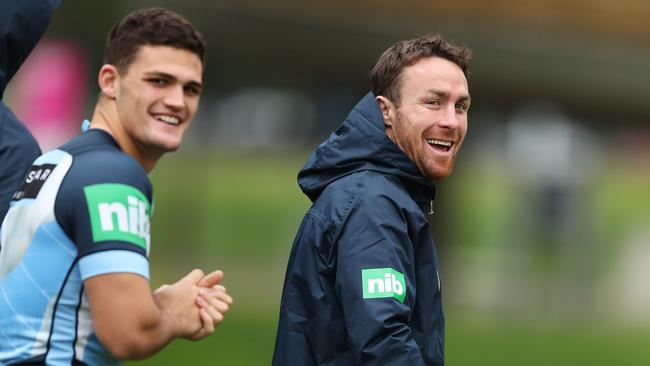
(18, 149)
(22, 24)
(375, 280)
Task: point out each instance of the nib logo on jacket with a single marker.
(383, 282)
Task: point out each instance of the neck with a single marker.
(106, 118)
(389, 132)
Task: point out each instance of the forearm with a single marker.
(140, 339)
(129, 321)
(133, 323)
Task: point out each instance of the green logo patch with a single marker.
(383, 282)
(118, 212)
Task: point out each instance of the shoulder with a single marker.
(111, 164)
(366, 187)
(98, 171)
(369, 195)
(105, 197)
(96, 159)
(106, 167)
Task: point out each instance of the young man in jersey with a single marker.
(362, 285)
(74, 260)
(22, 23)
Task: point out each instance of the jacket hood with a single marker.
(359, 144)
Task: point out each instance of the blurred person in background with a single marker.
(22, 23)
(74, 269)
(362, 285)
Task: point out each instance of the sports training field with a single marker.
(239, 212)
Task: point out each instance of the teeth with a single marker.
(439, 142)
(167, 119)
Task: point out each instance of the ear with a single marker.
(108, 80)
(387, 110)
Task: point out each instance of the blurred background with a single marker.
(543, 229)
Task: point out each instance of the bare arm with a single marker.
(133, 323)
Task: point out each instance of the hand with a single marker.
(178, 304)
(213, 302)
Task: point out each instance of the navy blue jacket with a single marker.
(362, 284)
(22, 23)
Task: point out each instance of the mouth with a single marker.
(170, 120)
(440, 145)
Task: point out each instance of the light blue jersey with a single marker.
(82, 210)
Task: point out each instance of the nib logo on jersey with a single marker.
(383, 282)
(118, 212)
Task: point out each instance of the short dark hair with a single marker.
(386, 76)
(153, 27)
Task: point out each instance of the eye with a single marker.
(157, 81)
(433, 102)
(192, 90)
(462, 106)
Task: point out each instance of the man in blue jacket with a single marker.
(22, 23)
(362, 285)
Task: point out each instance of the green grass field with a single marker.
(247, 337)
(239, 212)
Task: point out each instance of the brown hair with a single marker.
(385, 77)
(154, 27)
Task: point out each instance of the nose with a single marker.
(175, 98)
(450, 119)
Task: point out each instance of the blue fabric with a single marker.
(98, 160)
(18, 149)
(96, 354)
(22, 23)
(85, 125)
(43, 311)
(368, 212)
(113, 261)
(52, 157)
(30, 287)
(64, 328)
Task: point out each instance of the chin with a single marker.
(165, 148)
(172, 147)
(438, 174)
(169, 145)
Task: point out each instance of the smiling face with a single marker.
(430, 122)
(156, 98)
